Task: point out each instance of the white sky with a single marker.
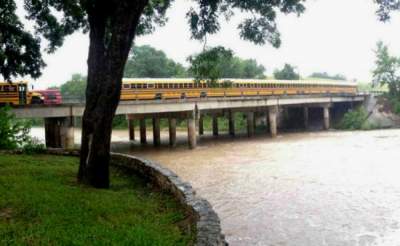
(331, 36)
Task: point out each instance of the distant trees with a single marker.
(148, 62)
(243, 68)
(74, 88)
(219, 62)
(325, 75)
(387, 70)
(287, 72)
(210, 64)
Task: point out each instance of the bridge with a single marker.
(59, 123)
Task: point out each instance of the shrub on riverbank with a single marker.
(41, 204)
(356, 120)
(13, 133)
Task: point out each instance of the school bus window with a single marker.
(133, 86)
(126, 86)
(150, 86)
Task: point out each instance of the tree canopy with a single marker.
(210, 64)
(74, 88)
(147, 62)
(325, 75)
(112, 27)
(287, 72)
(19, 49)
(387, 70)
(219, 62)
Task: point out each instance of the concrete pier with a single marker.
(172, 131)
(131, 129)
(266, 122)
(156, 131)
(215, 125)
(143, 137)
(305, 117)
(59, 132)
(326, 118)
(231, 123)
(201, 124)
(250, 124)
(272, 115)
(191, 125)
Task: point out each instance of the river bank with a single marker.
(41, 204)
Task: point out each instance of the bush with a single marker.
(13, 133)
(33, 146)
(395, 104)
(355, 120)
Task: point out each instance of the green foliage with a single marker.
(385, 7)
(387, 70)
(147, 62)
(240, 68)
(54, 20)
(355, 120)
(19, 50)
(120, 122)
(13, 133)
(259, 27)
(33, 146)
(41, 204)
(325, 75)
(74, 88)
(219, 62)
(287, 73)
(209, 65)
(396, 107)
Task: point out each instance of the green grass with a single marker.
(41, 204)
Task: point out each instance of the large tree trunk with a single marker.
(111, 36)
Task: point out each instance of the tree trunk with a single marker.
(108, 52)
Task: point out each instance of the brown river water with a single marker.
(311, 189)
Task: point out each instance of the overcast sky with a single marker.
(332, 36)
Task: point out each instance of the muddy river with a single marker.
(311, 189)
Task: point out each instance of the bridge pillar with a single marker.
(326, 118)
(59, 132)
(156, 131)
(172, 131)
(201, 124)
(191, 124)
(143, 137)
(131, 128)
(215, 125)
(250, 124)
(231, 123)
(272, 115)
(305, 117)
(266, 121)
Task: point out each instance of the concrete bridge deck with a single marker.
(59, 119)
(184, 105)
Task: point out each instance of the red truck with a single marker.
(51, 96)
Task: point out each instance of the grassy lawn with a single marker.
(41, 204)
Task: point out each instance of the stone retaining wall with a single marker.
(200, 211)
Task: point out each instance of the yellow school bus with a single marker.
(153, 88)
(17, 93)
